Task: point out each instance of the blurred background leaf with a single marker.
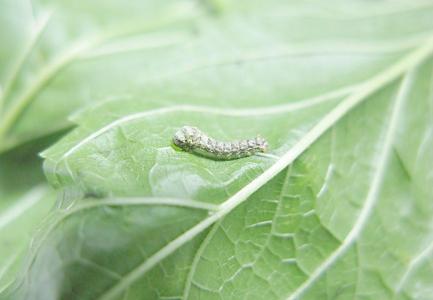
(25, 199)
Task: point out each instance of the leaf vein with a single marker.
(372, 196)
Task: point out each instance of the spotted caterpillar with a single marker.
(191, 139)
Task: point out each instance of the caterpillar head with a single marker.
(262, 144)
(184, 137)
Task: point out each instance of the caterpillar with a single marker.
(192, 139)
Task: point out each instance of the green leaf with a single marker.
(340, 207)
(46, 40)
(24, 200)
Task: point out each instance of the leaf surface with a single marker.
(340, 208)
(25, 200)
